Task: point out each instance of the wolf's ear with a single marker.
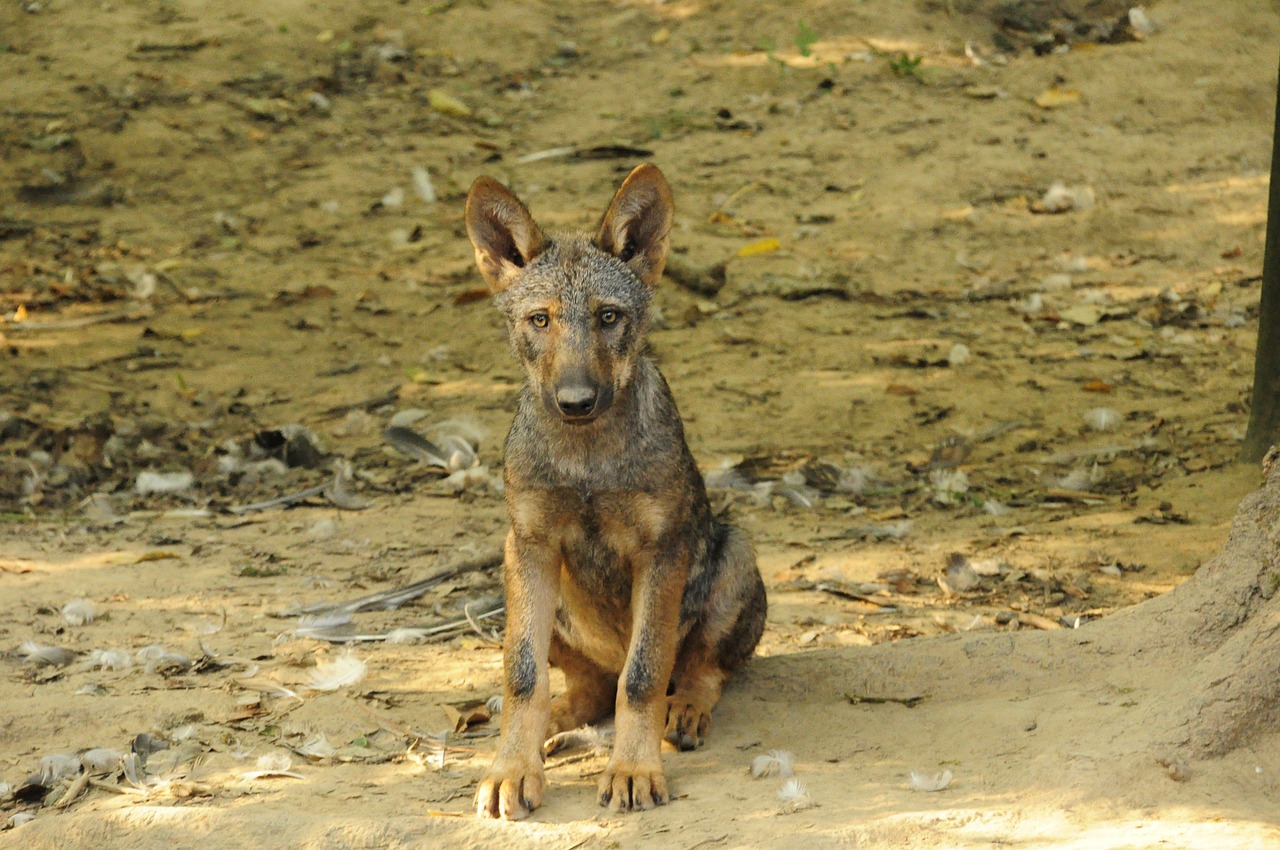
(502, 231)
(635, 226)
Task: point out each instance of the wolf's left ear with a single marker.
(503, 233)
(636, 225)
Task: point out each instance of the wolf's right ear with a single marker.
(502, 231)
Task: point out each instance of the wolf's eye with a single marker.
(540, 320)
(609, 317)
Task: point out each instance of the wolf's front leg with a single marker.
(515, 784)
(633, 779)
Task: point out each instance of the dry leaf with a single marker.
(1056, 98)
(446, 104)
(464, 715)
(982, 92)
(764, 246)
(158, 555)
(1086, 315)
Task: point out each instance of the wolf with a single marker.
(615, 568)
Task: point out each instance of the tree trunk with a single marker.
(1196, 669)
(1264, 417)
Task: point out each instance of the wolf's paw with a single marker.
(687, 723)
(513, 788)
(632, 786)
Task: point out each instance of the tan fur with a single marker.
(615, 569)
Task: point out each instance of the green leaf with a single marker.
(805, 38)
(906, 65)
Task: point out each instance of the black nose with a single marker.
(576, 401)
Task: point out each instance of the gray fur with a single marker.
(608, 510)
(638, 445)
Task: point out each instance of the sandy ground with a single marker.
(952, 406)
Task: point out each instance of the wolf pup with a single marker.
(615, 569)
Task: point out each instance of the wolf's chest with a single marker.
(606, 532)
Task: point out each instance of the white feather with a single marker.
(890, 530)
(930, 781)
(596, 738)
(316, 625)
(101, 760)
(1061, 198)
(168, 663)
(727, 476)
(148, 483)
(54, 769)
(994, 508)
(1102, 418)
(273, 764)
(854, 480)
(456, 433)
(275, 761)
(134, 773)
(794, 796)
(317, 747)
(422, 185)
(406, 636)
(793, 789)
(948, 485)
(473, 478)
(772, 763)
(1140, 22)
(149, 653)
(1078, 479)
(77, 612)
(108, 659)
(338, 673)
(394, 199)
(39, 654)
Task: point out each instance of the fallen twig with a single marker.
(83, 322)
(466, 610)
(438, 631)
(1038, 621)
(335, 491)
(842, 590)
(1058, 494)
(73, 791)
(102, 785)
(908, 702)
(394, 598)
(280, 501)
(389, 397)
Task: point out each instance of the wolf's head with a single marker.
(576, 306)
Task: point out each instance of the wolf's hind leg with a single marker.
(589, 690)
(722, 640)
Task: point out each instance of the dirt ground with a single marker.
(942, 395)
